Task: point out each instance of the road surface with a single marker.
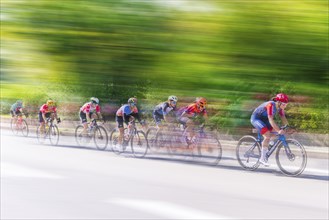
(71, 182)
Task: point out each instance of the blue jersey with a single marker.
(266, 109)
(15, 107)
(126, 110)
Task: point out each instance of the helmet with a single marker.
(94, 100)
(132, 100)
(19, 102)
(50, 103)
(202, 102)
(281, 97)
(173, 98)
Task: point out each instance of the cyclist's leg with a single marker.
(264, 128)
(190, 128)
(158, 118)
(42, 124)
(119, 121)
(83, 119)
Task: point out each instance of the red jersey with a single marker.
(46, 109)
(88, 108)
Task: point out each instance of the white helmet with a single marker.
(94, 100)
(173, 98)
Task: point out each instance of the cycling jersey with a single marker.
(267, 109)
(46, 109)
(259, 118)
(163, 108)
(89, 108)
(126, 110)
(16, 107)
(192, 109)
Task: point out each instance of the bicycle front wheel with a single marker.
(139, 144)
(210, 149)
(248, 152)
(100, 138)
(291, 159)
(54, 134)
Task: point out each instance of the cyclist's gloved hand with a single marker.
(58, 120)
(281, 131)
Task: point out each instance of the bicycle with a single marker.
(288, 152)
(50, 132)
(19, 124)
(94, 131)
(136, 138)
(204, 146)
(157, 138)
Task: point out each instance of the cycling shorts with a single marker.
(261, 124)
(83, 116)
(41, 118)
(157, 118)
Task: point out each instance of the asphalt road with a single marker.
(71, 182)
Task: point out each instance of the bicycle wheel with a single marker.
(291, 159)
(41, 136)
(139, 144)
(24, 128)
(177, 144)
(80, 137)
(209, 149)
(114, 141)
(100, 138)
(54, 134)
(14, 126)
(248, 152)
(151, 136)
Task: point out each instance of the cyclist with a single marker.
(16, 109)
(263, 120)
(88, 110)
(125, 114)
(47, 110)
(162, 110)
(190, 117)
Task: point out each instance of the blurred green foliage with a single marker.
(236, 53)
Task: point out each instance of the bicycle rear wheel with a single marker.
(100, 138)
(41, 136)
(152, 138)
(24, 128)
(291, 159)
(79, 136)
(209, 149)
(248, 152)
(116, 147)
(54, 134)
(139, 144)
(13, 126)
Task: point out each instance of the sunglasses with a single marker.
(284, 104)
(173, 102)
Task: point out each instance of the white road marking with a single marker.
(165, 209)
(13, 170)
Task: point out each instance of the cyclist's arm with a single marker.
(273, 124)
(284, 120)
(100, 117)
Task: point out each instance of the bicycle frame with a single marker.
(280, 139)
